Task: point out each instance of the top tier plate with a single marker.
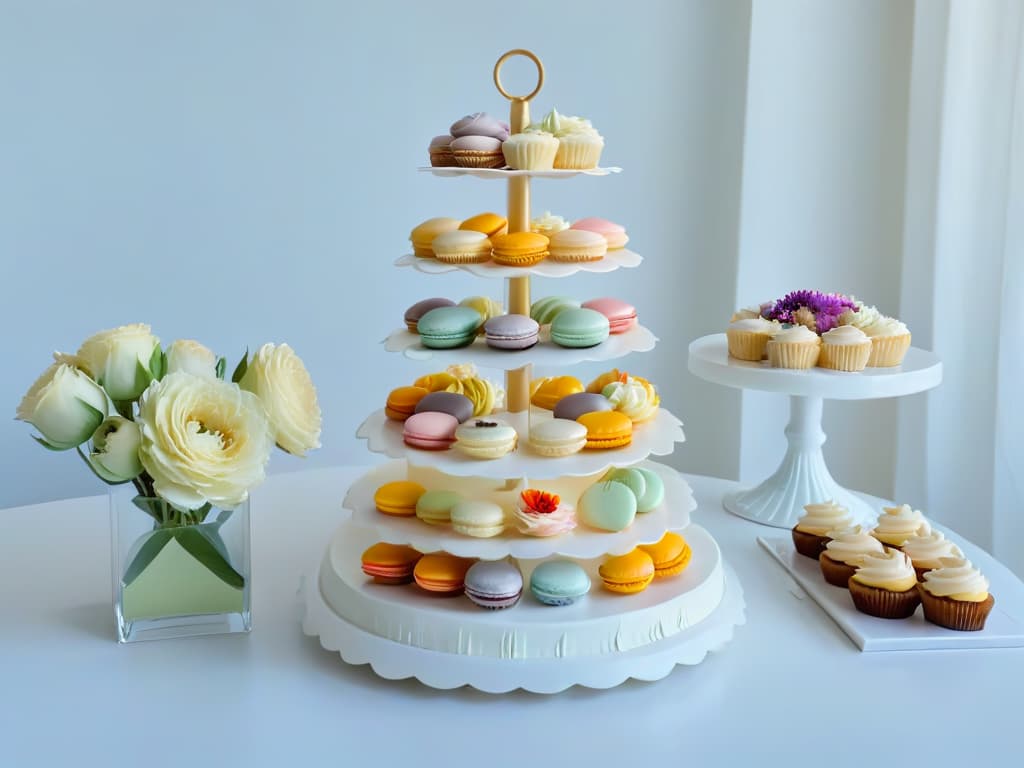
(507, 173)
(618, 259)
(709, 359)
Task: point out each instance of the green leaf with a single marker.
(196, 543)
(222, 366)
(156, 508)
(46, 445)
(96, 413)
(143, 376)
(124, 408)
(158, 363)
(100, 471)
(147, 554)
(241, 368)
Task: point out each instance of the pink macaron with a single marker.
(614, 234)
(430, 430)
(621, 316)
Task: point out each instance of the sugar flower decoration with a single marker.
(818, 311)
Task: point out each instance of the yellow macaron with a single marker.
(671, 555)
(607, 429)
(398, 498)
(546, 392)
(422, 235)
(627, 574)
(519, 249)
(491, 224)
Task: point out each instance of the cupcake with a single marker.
(478, 152)
(860, 315)
(885, 585)
(748, 337)
(794, 347)
(530, 151)
(634, 397)
(845, 551)
(538, 513)
(579, 145)
(441, 151)
(746, 313)
(890, 340)
(927, 548)
(548, 224)
(810, 534)
(898, 524)
(844, 348)
(955, 595)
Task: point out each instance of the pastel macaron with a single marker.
(442, 574)
(576, 328)
(645, 484)
(462, 247)
(547, 309)
(420, 308)
(453, 403)
(573, 406)
(519, 249)
(480, 519)
(448, 327)
(606, 429)
(435, 507)
(494, 584)
(547, 392)
(398, 498)
(671, 555)
(430, 430)
(423, 234)
(621, 315)
(576, 245)
(607, 507)
(627, 574)
(559, 582)
(485, 438)
(477, 152)
(490, 224)
(401, 402)
(557, 437)
(480, 124)
(390, 563)
(511, 332)
(614, 234)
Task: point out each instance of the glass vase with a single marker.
(175, 573)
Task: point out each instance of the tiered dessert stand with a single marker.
(598, 642)
(802, 477)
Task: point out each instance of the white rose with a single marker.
(278, 377)
(191, 357)
(203, 441)
(65, 405)
(115, 450)
(119, 360)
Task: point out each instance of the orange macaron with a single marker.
(402, 402)
(671, 555)
(607, 429)
(490, 224)
(398, 498)
(390, 563)
(519, 249)
(442, 574)
(627, 574)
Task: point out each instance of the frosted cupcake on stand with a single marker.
(927, 549)
(748, 337)
(955, 596)
(846, 550)
(897, 525)
(811, 532)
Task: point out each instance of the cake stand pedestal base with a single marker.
(802, 477)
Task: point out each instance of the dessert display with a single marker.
(530, 482)
(805, 329)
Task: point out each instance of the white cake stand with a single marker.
(802, 477)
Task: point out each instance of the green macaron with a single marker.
(608, 506)
(648, 488)
(449, 327)
(577, 328)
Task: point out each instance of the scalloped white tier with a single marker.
(507, 173)
(657, 437)
(545, 352)
(394, 661)
(582, 542)
(599, 625)
(620, 258)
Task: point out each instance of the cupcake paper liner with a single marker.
(531, 156)
(578, 153)
(809, 544)
(961, 615)
(884, 603)
(801, 355)
(747, 345)
(845, 357)
(836, 572)
(888, 351)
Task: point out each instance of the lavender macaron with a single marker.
(511, 332)
(494, 584)
(571, 407)
(452, 403)
(420, 308)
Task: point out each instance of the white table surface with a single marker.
(790, 689)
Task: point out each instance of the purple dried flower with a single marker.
(826, 308)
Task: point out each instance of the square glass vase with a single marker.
(178, 574)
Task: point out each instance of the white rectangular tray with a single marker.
(1003, 629)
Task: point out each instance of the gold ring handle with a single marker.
(497, 74)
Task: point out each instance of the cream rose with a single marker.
(119, 360)
(188, 356)
(65, 405)
(115, 450)
(203, 441)
(278, 377)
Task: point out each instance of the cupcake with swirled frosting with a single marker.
(890, 340)
(885, 585)
(794, 347)
(955, 595)
(927, 549)
(897, 525)
(845, 551)
(634, 397)
(844, 348)
(748, 337)
(539, 513)
(811, 532)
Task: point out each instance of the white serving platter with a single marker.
(582, 542)
(1003, 629)
(657, 437)
(545, 352)
(620, 258)
(508, 173)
